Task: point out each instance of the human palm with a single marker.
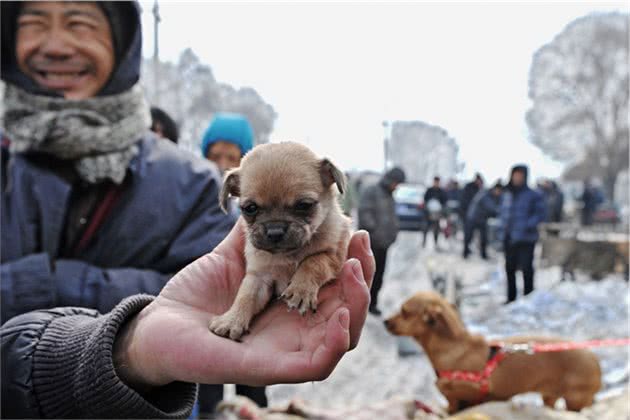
(171, 339)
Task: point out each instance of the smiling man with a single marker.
(94, 207)
(76, 66)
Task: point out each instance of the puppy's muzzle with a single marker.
(276, 231)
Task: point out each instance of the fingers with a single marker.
(336, 344)
(356, 296)
(360, 249)
(318, 364)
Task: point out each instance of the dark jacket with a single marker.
(522, 210)
(435, 193)
(484, 206)
(57, 363)
(166, 216)
(554, 200)
(377, 214)
(470, 190)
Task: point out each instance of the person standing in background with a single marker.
(163, 125)
(226, 140)
(377, 215)
(522, 210)
(591, 198)
(434, 206)
(468, 193)
(486, 204)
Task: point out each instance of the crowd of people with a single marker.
(517, 209)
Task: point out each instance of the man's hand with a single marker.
(169, 340)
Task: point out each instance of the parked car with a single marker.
(410, 206)
(607, 213)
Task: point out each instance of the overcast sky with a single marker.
(334, 72)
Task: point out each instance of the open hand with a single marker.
(169, 339)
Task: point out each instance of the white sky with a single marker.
(334, 72)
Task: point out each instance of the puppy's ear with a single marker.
(330, 173)
(231, 187)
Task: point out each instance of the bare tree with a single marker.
(190, 93)
(578, 84)
(423, 151)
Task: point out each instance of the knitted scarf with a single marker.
(99, 134)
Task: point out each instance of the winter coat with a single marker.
(435, 193)
(468, 193)
(57, 363)
(377, 214)
(522, 210)
(484, 206)
(554, 200)
(591, 197)
(165, 217)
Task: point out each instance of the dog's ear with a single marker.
(331, 174)
(442, 320)
(231, 187)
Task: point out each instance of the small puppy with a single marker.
(296, 235)
(574, 375)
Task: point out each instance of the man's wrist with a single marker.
(129, 367)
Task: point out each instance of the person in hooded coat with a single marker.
(94, 207)
(522, 210)
(377, 215)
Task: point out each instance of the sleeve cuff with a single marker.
(29, 285)
(74, 375)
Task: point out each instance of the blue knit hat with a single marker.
(231, 128)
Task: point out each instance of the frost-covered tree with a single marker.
(578, 84)
(189, 92)
(423, 151)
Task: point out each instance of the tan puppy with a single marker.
(574, 375)
(296, 236)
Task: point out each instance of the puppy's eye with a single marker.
(250, 209)
(304, 206)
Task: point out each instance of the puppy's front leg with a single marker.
(251, 298)
(313, 273)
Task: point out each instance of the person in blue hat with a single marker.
(226, 140)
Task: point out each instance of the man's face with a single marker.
(65, 47)
(226, 155)
(518, 178)
(436, 183)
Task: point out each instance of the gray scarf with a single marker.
(99, 134)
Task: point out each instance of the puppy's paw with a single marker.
(229, 326)
(301, 296)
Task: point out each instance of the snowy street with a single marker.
(375, 371)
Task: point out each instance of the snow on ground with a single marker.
(374, 371)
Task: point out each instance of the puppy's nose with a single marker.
(386, 322)
(275, 231)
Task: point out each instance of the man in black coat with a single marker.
(434, 202)
(486, 204)
(377, 215)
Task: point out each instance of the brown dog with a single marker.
(574, 375)
(296, 236)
